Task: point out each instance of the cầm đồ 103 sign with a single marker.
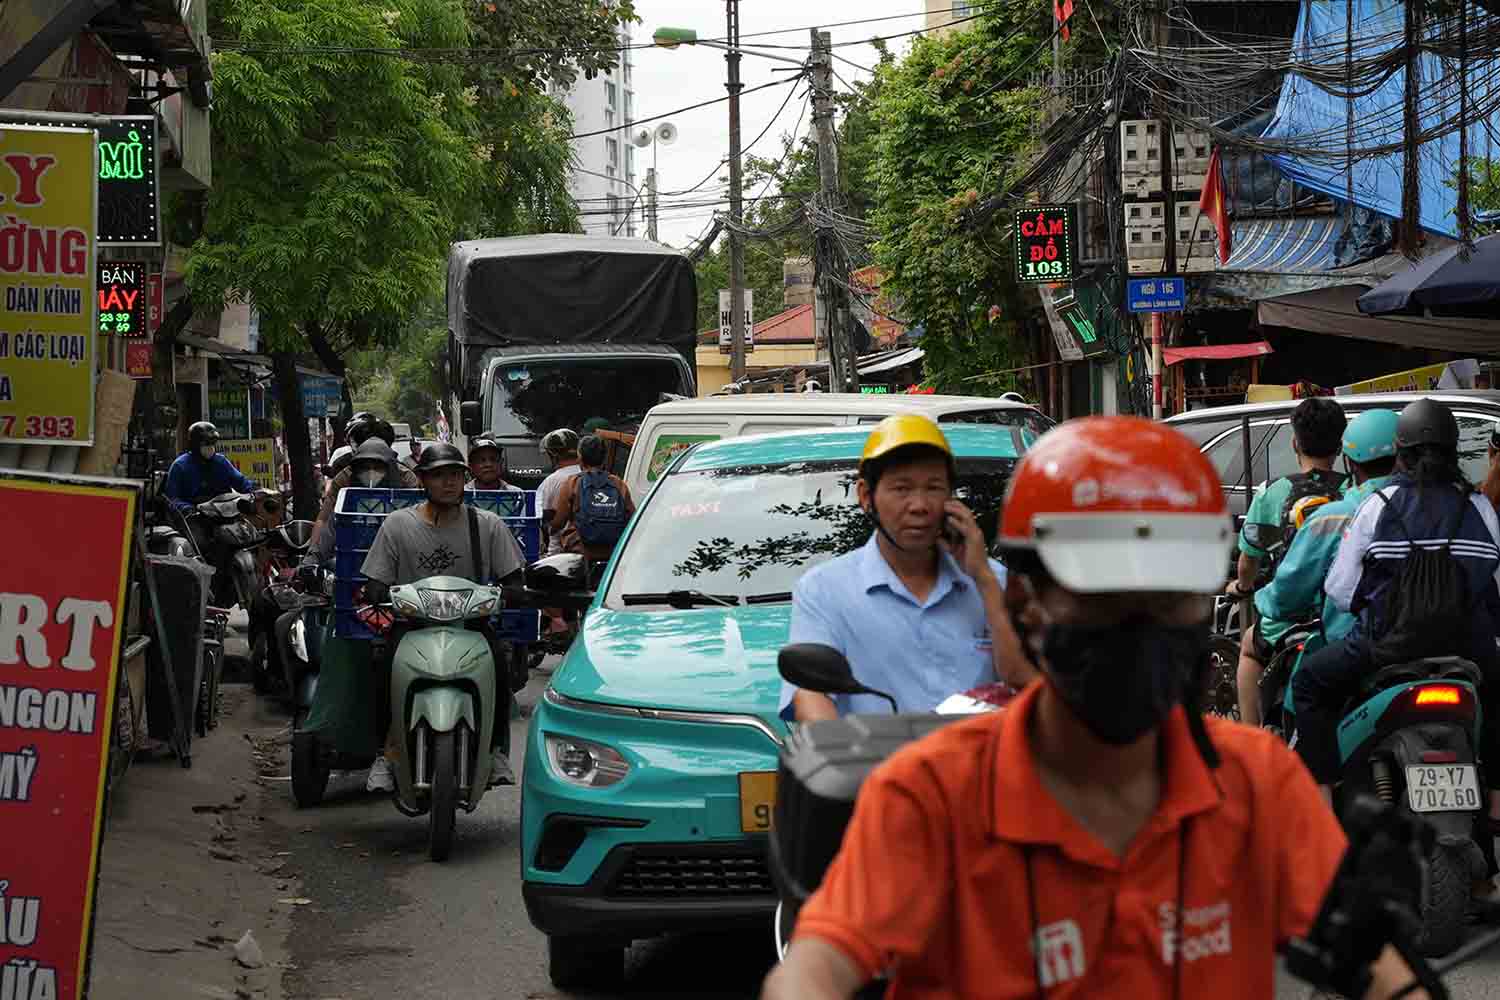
(1046, 239)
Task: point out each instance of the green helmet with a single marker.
(1371, 436)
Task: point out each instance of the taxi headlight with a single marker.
(585, 763)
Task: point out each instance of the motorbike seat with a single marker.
(1447, 668)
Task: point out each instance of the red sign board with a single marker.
(1046, 242)
(61, 615)
(153, 302)
(138, 358)
(122, 299)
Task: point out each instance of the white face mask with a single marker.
(207, 451)
(369, 478)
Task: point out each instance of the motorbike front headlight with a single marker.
(445, 605)
(585, 763)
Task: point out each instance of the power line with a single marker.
(690, 107)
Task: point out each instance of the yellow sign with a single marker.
(1415, 380)
(48, 212)
(255, 458)
(757, 801)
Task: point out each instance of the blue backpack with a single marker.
(601, 510)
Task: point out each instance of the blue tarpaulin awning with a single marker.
(1311, 117)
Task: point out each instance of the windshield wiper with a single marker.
(681, 599)
(777, 597)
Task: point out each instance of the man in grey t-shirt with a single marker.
(433, 539)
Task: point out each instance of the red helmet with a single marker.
(1117, 504)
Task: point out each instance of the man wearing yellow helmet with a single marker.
(919, 610)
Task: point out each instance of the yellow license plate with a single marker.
(757, 800)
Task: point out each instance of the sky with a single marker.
(669, 79)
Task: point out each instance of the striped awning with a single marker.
(1298, 245)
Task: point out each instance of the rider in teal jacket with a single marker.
(1370, 448)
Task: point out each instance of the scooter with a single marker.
(823, 765)
(445, 697)
(1409, 739)
(298, 642)
(275, 595)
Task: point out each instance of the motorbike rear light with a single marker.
(1439, 756)
(1439, 694)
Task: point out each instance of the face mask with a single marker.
(369, 478)
(207, 451)
(1121, 680)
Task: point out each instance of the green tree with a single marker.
(952, 123)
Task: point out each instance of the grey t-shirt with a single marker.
(408, 549)
(546, 499)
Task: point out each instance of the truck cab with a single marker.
(526, 392)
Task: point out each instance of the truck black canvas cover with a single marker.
(570, 289)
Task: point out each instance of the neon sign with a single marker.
(1046, 242)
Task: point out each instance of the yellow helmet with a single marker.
(904, 430)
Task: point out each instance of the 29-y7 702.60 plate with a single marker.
(1442, 787)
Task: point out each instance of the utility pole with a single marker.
(651, 203)
(832, 279)
(736, 209)
(1168, 142)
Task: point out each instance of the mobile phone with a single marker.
(951, 534)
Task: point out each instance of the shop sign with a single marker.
(122, 299)
(229, 410)
(1046, 242)
(726, 324)
(255, 458)
(874, 390)
(138, 354)
(153, 302)
(321, 396)
(47, 342)
(62, 615)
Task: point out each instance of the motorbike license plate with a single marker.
(757, 800)
(1442, 787)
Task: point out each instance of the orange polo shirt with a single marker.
(957, 858)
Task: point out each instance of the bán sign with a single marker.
(1046, 242)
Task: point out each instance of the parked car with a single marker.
(1219, 432)
(650, 766)
(671, 427)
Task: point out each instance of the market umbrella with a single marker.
(1443, 285)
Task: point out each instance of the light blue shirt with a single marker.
(919, 652)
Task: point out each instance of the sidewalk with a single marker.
(186, 870)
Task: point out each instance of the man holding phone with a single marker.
(919, 611)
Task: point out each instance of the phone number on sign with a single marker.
(37, 427)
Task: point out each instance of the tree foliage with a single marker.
(953, 122)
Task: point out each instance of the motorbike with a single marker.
(284, 547)
(444, 696)
(823, 765)
(1408, 739)
(227, 529)
(299, 635)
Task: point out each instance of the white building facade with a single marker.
(604, 181)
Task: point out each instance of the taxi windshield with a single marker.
(748, 533)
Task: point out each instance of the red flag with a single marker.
(1062, 10)
(1211, 204)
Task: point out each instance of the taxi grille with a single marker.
(691, 874)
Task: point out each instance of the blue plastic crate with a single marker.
(359, 513)
(528, 532)
(348, 562)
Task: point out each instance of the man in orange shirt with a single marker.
(1099, 837)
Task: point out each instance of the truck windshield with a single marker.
(534, 397)
(748, 533)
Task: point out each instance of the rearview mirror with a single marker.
(814, 667)
(468, 417)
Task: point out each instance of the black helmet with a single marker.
(1427, 422)
(484, 441)
(362, 426)
(440, 456)
(202, 433)
(561, 442)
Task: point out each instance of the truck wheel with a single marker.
(579, 962)
(444, 804)
(309, 771)
(1445, 904)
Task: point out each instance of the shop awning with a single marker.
(1284, 246)
(897, 359)
(1333, 311)
(1215, 352)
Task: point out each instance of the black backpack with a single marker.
(600, 519)
(1428, 606)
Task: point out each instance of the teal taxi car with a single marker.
(650, 767)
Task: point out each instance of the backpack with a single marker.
(1428, 604)
(1310, 490)
(600, 517)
